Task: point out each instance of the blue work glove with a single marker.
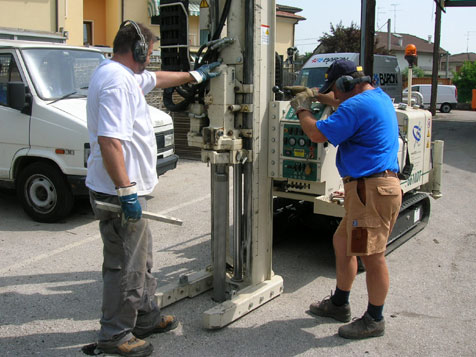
(202, 73)
(131, 209)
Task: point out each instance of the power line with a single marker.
(307, 39)
(379, 12)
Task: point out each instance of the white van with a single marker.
(44, 141)
(446, 96)
(386, 71)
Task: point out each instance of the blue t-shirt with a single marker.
(366, 129)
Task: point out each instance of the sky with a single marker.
(415, 17)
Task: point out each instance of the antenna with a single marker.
(468, 33)
(380, 12)
(394, 17)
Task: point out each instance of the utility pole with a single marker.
(436, 61)
(367, 36)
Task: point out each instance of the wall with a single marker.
(137, 10)
(284, 35)
(95, 10)
(31, 15)
(73, 21)
(113, 20)
(194, 31)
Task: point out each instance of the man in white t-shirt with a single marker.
(121, 170)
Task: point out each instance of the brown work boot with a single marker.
(364, 327)
(133, 348)
(326, 308)
(167, 323)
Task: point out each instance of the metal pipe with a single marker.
(448, 64)
(220, 229)
(389, 35)
(438, 146)
(410, 78)
(248, 73)
(56, 16)
(237, 223)
(363, 27)
(234, 108)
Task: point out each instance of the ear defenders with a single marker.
(347, 83)
(139, 48)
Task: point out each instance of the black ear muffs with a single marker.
(139, 48)
(347, 83)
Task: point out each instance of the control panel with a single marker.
(295, 162)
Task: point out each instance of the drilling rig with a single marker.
(249, 138)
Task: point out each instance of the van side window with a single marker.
(416, 88)
(8, 73)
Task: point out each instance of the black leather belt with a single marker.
(386, 173)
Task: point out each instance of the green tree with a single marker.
(341, 39)
(417, 72)
(345, 39)
(301, 59)
(465, 81)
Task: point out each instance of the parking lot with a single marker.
(50, 275)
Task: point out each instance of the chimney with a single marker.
(429, 38)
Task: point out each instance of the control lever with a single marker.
(278, 90)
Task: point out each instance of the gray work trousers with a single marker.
(128, 285)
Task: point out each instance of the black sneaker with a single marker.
(133, 348)
(326, 308)
(364, 327)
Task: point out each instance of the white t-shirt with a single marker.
(117, 109)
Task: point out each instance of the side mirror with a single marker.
(17, 98)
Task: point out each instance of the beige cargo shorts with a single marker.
(371, 209)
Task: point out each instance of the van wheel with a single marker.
(445, 108)
(44, 192)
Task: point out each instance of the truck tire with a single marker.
(44, 193)
(445, 108)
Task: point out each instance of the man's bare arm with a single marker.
(167, 79)
(113, 159)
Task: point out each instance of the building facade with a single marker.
(95, 22)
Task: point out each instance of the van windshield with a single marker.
(61, 73)
(312, 77)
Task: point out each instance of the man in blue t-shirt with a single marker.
(366, 130)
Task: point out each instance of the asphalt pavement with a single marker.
(50, 275)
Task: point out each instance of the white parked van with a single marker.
(386, 71)
(44, 141)
(446, 96)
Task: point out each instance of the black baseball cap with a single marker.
(338, 68)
